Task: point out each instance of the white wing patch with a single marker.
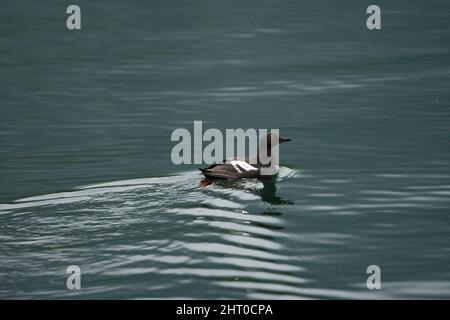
(243, 165)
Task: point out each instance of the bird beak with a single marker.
(284, 140)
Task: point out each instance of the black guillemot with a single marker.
(240, 168)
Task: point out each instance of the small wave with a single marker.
(157, 228)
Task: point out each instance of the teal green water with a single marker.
(86, 177)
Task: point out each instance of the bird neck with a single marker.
(265, 155)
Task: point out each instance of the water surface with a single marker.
(86, 176)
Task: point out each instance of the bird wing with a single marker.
(233, 169)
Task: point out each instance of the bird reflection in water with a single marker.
(268, 192)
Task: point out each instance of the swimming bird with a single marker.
(240, 168)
